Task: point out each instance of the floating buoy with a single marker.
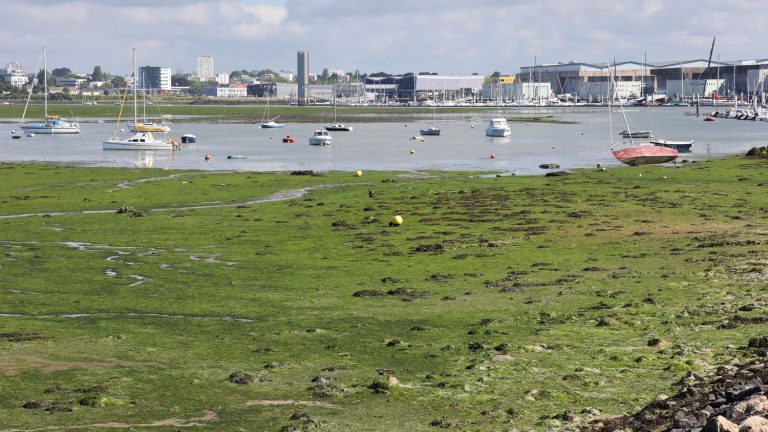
(413, 151)
(207, 157)
(554, 146)
(493, 155)
(13, 131)
(358, 173)
(122, 130)
(397, 220)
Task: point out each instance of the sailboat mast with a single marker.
(45, 82)
(135, 84)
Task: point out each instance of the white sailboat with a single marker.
(52, 124)
(142, 140)
(271, 124)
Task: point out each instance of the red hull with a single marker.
(645, 154)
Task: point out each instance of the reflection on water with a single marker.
(388, 145)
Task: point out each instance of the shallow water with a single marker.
(387, 145)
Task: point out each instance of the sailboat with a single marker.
(271, 124)
(142, 140)
(432, 130)
(52, 124)
(336, 126)
(144, 125)
(645, 153)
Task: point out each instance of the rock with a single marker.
(720, 424)
(754, 424)
(746, 408)
(392, 381)
(501, 358)
(740, 392)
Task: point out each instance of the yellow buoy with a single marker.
(396, 220)
(358, 173)
(413, 151)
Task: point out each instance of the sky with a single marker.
(395, 36)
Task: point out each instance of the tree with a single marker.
(324, 76)
(496, 74)
(180, 80)
(118, 82)
(61, 72)
(97, 74)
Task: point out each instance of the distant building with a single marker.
(302, 75)
(70, 82)
(224, 92)
(154, 78)
(222, 79)
(420, 88)
(205, 68)
(14, 75)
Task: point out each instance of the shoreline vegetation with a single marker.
(154, 299)
(253, 113)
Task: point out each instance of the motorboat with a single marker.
(498, 127)
(644, 154)
(339, 127)
(188, 138)
(321, 137)
(432, 130)
(141, 141)
(680, 146)
(272, 124)
(636, 134)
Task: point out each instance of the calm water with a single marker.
(387, 146)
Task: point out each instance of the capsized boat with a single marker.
(321, 137)
(684, 146)
(644, 154)
(498, 127)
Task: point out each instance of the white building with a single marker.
(679, 89)
(222, 79)
(205, 68)
(155, 78)
(14, 75)
(599, 90)
(224, 92)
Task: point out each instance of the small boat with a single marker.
(321, 137)
(636, 134)
(236, 157)
(498, 127)
(289, 139)
(339, 127)
(52, 124)
(272, 124)
(684, 146)
(644, 154)
(709, 118)
(432, 130)
(140, 141)
(188, 138)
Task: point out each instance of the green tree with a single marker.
(324, 76)
(118, 82)
(61, 72)
(496, 74)
(180, 80)
(97, 74)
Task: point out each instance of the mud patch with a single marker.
(14, 365)
(209, 417)
(20, 337)
(291, 402)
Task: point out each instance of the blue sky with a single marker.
(445, 36)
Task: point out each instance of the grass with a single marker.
(500, 303)
(253, 112)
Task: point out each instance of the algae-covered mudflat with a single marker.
(168, 300)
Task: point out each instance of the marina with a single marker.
(384, 145)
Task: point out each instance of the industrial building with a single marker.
(420, 88)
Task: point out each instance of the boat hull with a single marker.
(320, 141)
(430, 131)
(680, 146)
(495, 132)
(122, 145)
(338, 128)
(271, 125)
(645, 154)
(51, 129)
(637, 134)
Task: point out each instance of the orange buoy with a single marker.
(493, 155)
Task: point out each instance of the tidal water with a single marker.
(388, 145)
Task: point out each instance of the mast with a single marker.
(135, 84)
(45, 82)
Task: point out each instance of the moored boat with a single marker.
(52, 124)
(289, 139)
(644, 154)
(636, 134)
(432, 130)
(498, 127)
(339, 127)
(684, 146)
(321, 137)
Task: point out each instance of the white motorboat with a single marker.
(498, 127)
(321, 137)
(339, 127)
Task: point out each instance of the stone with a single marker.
(746, 408)
(754, 424)
(720, 424)
(740, 392)
(501, 358)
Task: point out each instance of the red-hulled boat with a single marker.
(644, 154)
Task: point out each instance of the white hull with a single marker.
(124, 145)
(50, 130)
(498, 132)
(322, 140)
